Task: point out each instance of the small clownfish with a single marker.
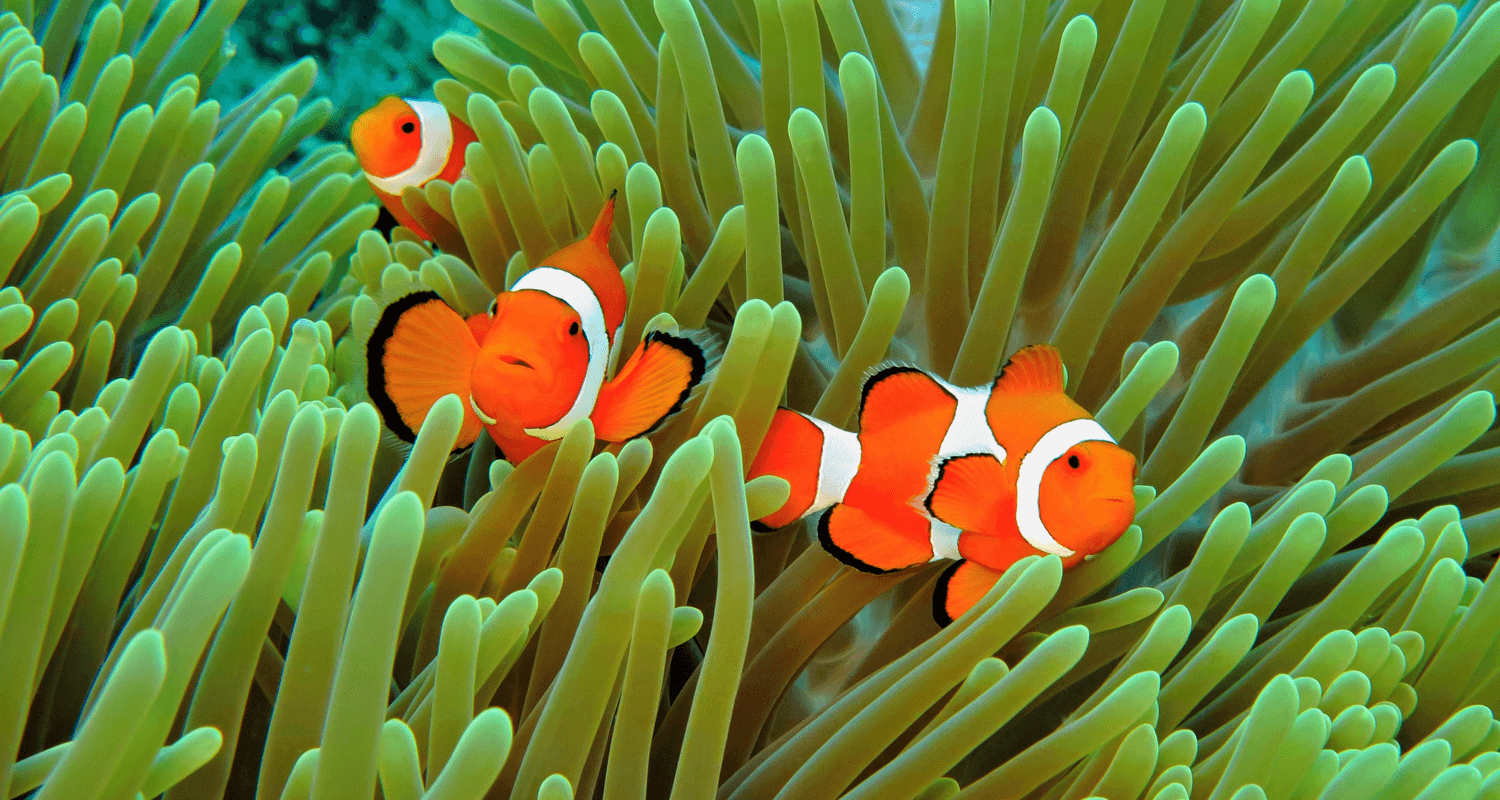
(985, 476)
(534, 363)
(401, 143)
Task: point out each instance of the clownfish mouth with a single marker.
(515, 362)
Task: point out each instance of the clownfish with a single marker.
(984, 476)
(401, 143)
(535, 362)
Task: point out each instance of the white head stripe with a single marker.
(837, 463)
(437, 141)
(1047, 449)
(572, 290)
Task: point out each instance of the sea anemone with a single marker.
(1244, 224)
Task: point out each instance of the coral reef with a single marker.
(1245, 223)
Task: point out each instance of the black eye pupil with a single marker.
(573, 329)
(408, 127)
(1073, 462)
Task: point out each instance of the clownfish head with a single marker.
(1075, 487)
(543, 355)
(533, 359)
(387, 138)
(1086, 495)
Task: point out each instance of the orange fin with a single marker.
(868, 544)
(651, 387)
(969, 491)
(896, 392)
(1034, 368)
(419, 351)
(959, 588)
(792, 449)
(599, 234)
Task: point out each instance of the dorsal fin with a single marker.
(1034, 368)
(599, 234)
(896, 391)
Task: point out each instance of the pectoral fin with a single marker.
(650, 387)
(972, 493)
(419, 351)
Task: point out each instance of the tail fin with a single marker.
(817, 459)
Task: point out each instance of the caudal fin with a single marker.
(419, 351)
(651, 386)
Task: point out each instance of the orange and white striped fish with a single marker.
(985, 476)
(535, 362)
(401, 143)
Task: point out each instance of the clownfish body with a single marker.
(984, 476)
(534, 363)
(401, 143)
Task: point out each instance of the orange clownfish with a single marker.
(535, 363)
(985, 476)
(401, 143)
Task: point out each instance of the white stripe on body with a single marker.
(968, 434)
(437, 142)
(838, 462)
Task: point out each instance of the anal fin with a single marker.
(650, 387)
(959, 588)
(871, 545)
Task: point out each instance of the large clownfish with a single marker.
(535, 363)
(401, 143)
(985, 476)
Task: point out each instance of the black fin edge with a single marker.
(826, 539)
(937, 477)
(699, 358)
(877, 377)
(940, 594)
(385, 328)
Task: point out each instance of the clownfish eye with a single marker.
(1073, 461)
(573, 329)
(408, 127)
(494, 304)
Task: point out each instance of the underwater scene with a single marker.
(749, 399)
